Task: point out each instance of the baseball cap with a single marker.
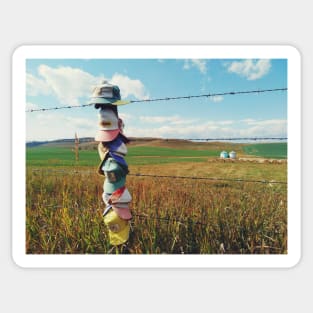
(120, 201)
(120, 195)
(115, 175)
(122, 210)
(108, 126)
(105, 93)
(118, 228)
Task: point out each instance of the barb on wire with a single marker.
(169, 98)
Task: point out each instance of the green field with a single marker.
(268, 150)
(60, 156)
(142, 155)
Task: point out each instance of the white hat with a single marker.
(108, 125)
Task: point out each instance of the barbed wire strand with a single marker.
(167, 98)
(234, 139)
(263, 181)
(144, 216)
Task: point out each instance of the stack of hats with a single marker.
(112, 150)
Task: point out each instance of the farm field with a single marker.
(235, 208)
(267, 150)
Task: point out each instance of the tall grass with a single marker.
(64, 215)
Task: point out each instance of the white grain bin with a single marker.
(232, 155)
(224, 155)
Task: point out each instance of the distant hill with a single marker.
(90, 143)
(59, 142)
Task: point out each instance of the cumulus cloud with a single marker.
(130, 87)
(250, 69)
(71, 86)
(68, 84)
(45, 126)
(36, 86)
(197, 63)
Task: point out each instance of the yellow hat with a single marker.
(118, 228)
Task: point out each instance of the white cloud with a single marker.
(250, 69)
(130, 87)
(211, 129)
(36, 86)
(51, 125)
(46, 126)
(69, 85)
(72, 85)
(197, 63)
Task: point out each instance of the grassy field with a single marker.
(268, 150)
(170, 215)
(152, 153)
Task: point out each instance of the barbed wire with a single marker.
(168, 219)
(144, 216)
(236, 139)
(210, 178)
(167, 98)
(263, 181)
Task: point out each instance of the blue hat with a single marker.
(115, 175)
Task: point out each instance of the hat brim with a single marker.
(123, 213)
(112, 101)
(106, 135)
(102, 100)
(111, 187)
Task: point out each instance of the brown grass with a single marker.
(64, 211)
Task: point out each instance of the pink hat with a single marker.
(108, 126)
(122, 211)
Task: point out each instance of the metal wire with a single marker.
(235, 139)
(167, 98)
(211, 178)
(263, 181)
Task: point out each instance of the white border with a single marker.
(156, 51)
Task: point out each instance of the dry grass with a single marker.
(175, 216)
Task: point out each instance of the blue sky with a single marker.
(59, 82)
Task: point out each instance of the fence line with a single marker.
(169, 220)
(210, 178)
(263, 181)
(146, 216)
(168, 98)
(235, 139)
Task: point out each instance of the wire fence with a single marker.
(209, 95)
(262, 181)
(146, 216)
(167, 219)
(238, 139)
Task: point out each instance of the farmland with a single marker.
(170, 214)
